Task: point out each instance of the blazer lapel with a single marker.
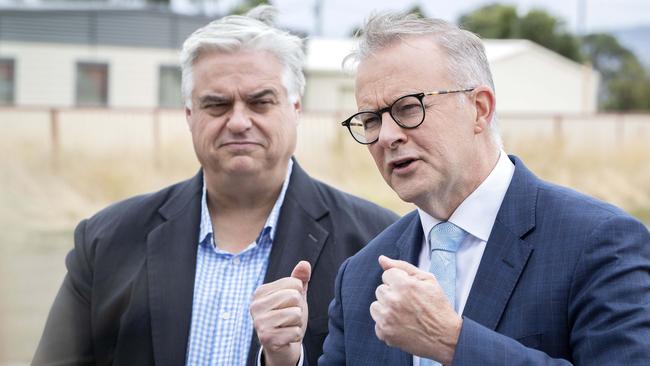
(171, 265)
(299, 236)
(506, 253)
(407, 248)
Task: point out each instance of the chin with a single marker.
(407, 196)
(406, 191)
(241, 166)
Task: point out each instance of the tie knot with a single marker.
(446, 236)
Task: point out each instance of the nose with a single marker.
(390, 133)
(239, 121)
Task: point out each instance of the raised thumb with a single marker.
(302, 271)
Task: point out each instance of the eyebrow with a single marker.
(262, 93)
(212, 99)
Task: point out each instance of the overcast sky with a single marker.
(340, 16)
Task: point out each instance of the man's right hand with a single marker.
(279, 311)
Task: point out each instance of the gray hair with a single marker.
(252, 32)
(467, 61)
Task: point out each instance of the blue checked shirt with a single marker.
(222, 327)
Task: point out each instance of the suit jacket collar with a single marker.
(409, 244)
(506, 252)
(518, 209)
(171, 265)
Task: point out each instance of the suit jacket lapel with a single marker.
(171, 265)
(506, 253)
(299, 236)
(407, 248)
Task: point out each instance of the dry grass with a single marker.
(40, 203)
(618, 174)
(84, 181)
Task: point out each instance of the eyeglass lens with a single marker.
(406, 111)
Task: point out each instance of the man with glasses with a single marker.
(187, 275)
(495, 267)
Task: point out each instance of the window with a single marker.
(7, 81)
(92, 84)
(169, 87)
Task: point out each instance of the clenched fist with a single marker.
(412, 312)
(279, 311)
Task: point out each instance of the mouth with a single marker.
(239, 143)
(401, 165)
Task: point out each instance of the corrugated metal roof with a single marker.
(116, 27)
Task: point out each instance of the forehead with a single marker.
(220, 71)
(409, 65)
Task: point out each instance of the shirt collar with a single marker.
(271, 221)
(477, 213)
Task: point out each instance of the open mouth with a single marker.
(402, 164)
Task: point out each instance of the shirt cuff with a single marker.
(300, 361)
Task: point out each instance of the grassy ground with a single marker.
(41, 202)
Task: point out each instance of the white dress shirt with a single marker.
(475, 215)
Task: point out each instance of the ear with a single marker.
(297, 106)
(484, 102)
(188, 117)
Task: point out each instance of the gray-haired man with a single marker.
(496, 267)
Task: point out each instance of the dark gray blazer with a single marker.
(127, 296)
(564, 279)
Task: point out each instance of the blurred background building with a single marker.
(91, 112)
(121, 57)
(528, 78)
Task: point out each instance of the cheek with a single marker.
(377, 155)
(207, 128)
(286, 133)
(289, 140)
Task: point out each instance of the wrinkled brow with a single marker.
(207, 99)
(262, 93)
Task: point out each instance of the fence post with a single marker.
(557, 130)
(55, 142)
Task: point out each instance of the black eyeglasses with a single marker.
(407, 111)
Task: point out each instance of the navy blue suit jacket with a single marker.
(564, 279)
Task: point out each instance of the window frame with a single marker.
(12, 64)
(101, 104)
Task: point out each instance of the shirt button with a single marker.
(225, 315)
(236, 260)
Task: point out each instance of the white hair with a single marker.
(466, 59)
(251, 32)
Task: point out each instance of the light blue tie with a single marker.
(444, 240)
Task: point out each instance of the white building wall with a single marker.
(536, 82)
(46, 73)
(328, 91)
(529, 80)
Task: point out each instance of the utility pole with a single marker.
(587, 70)
(582, 10)
(318, 18)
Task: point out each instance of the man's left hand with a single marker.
(279, 311)
(412, 312)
